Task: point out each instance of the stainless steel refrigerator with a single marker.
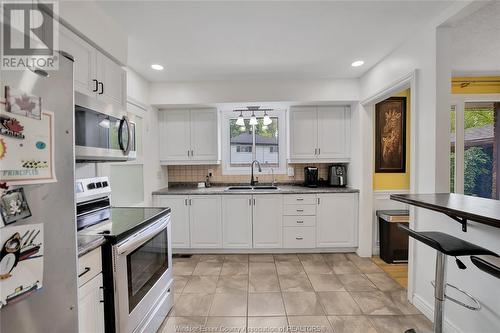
(54, 307)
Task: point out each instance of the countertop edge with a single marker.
(86, 247)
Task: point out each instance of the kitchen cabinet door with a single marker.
(205, 221)
(112, 81)
(204, 142)
(303, 133)
(174, 135)
(337, 220)
(237, 221)
(85, 61)
(90, 307)
(179, 218)
(267, 221)
(333, 132)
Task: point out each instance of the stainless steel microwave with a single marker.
(102, 132)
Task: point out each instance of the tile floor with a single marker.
(330, 293)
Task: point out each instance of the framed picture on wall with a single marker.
(390, 135)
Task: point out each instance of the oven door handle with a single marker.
(141, 237)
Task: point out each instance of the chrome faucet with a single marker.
(252, 181)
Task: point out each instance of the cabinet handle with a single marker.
(192, 153)
(300, 199)
(85, 271)
(254, 201)
(102, 88)
(319, 151)
(96, 85)
(249, 202)
(190, 202)
(299, 238)
(185, 202)
(315, 151)
(300, 221)
(300, 210)
(318, 201)
(188, 152)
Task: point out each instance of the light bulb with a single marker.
(267, 120)
(253, 119)
(243, 128)
(240, 121)
(264, 127)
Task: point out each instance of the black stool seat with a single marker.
(488, 264)
(446, 244)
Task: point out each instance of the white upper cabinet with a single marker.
(205, 221)
(337, 220)
(237, 221)
(267, 221)
(95, 74)
(319, 134)
(189, 137)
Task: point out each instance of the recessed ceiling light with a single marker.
(357, 63)
(157, 67)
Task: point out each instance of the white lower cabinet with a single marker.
(205, 221)
(337, 220)
(179, 218)
(90, 293)
(299, 237)
(237, 221)
(267, 221)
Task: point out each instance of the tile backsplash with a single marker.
(197, 173)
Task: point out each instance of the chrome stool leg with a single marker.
(439, 291)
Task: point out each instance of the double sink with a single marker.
(252, 188)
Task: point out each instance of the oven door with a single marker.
(142, 275)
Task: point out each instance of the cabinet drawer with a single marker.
(300, 199)
(300, 210)
(299, 237)
(299, 221)
(89, 266)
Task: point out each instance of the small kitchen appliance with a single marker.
(311, 176)
(337, 175)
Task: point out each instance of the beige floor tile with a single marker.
(267, 324)
(383, 281)
(338, 303)
(352, 324)
(207, 268)
(316, 267)
(200, 284)
(295, 283)
(232, 284)
(262, 268)
(263, 283)
(326, 282)
(210, 257)
(398, 324)
(289, 267)
(236, 258)
(375, 303)
(356, 282)
(261, 258)
(229, 305)
(366, 265)
(286, 257)
(193, 305)
(345, 267)
(265, 304)
(180, 282)
(226, 324)
(314, 257)
(183, 324)
(317, 324)
(400, 298)
(302, 304)
(234, 268)
(184, 267)
(334, 257)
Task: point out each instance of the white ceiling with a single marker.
(236, 40)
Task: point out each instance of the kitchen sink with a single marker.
(239, 188)
(263, 187)
(249, 188)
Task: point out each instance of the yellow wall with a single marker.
(476, 87)
(396, 181)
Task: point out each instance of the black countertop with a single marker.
(485, 211)
(87, 243)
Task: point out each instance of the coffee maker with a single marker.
(311, 176)
(337, 175)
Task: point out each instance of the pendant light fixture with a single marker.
(240, 121)
(253, 119)
(267, 120)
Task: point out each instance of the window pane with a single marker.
(453, 138)
(480, 150)
(241, 141)
(266, 142)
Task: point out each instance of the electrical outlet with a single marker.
(290, 172)
(210, 172)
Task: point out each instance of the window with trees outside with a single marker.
(474, 151)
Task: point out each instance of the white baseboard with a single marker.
(260, 251)
(428, 311)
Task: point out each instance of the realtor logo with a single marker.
(29, 35)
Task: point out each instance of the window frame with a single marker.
(227, 169)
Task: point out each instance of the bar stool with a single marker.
(446, 245)
(488, 264)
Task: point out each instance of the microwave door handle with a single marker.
(141, 237)
(126, 150)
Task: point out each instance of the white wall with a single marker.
(420, 53)
(95, 25)
(210, 92)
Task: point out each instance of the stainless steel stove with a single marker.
(137, 259)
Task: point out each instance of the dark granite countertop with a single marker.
(222, 190)
(87, 243)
